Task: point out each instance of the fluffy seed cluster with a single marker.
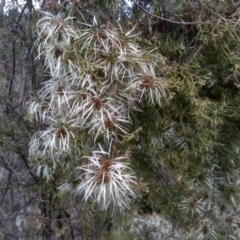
(107, 181)
(99, 75)
(214, 204)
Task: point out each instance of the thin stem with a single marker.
(169, 20)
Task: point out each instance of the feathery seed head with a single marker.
(107, 181)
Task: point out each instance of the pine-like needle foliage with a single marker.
(160, 99)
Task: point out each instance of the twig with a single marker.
(166, 19)
(229, 14)
(21, 14)
(10, 169)
(12, 77)
(28, 167)
(6, 189)
(9, 107)
(10, 90)
(195, 54)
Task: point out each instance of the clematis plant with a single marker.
(99, 76)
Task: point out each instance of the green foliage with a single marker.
(178, 127)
